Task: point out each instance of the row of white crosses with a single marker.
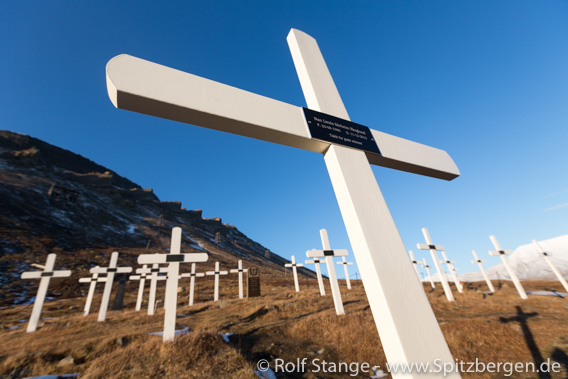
(408, 329)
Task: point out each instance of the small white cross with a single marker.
(328, 253)
(174, 258)
(94, 279)
(500, 252)
(427, 267)
(45, 277)
(415, 263)
(317, 262)
(546, 256)
(110, 271)
(345, 264)
(240, 271)
(433, 248)
(450, 265)
(217, 272)
(294, 271)
(142, 278)
(192, 275)
(479, 263)
(154, 274)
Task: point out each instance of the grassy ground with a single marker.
(278, 325)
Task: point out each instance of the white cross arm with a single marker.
(236, 270)
(149, 270)
(167, 258)
(500, 252)
(447, 262)
(326, 253)
(478, 261)
(313, 261)
(423, 246)
(418, 262)
(43, 274)
(189, 274)
(106, 270)
(295, 264)
(215, 272)
(141, 86)
(345, 263)
(89, 280)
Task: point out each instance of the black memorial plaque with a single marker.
(341, 132)
(253, 282)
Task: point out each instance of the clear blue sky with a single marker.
(487, 81)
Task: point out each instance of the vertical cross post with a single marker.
(427, 267)
(546, 255)
(317, 262)
(345, 264)
(93, 280)
(329, 254)
(45, 277)
(479, 263)
(142, 278)
(452, 270)
(192, 277)
(240, 271)
(433, 248)
(217, 272)
(110, 271)
(295, 272)
(500, 252)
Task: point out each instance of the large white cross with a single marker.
(93, 280)
(217, 272)
(545, 255)
(479, 263)
(415, 263)
(433, 248)
(317, 262)
(500, 252)
(173, 259)
(452, 270)
(45, 277)
(345, 264)
(427, 267)
(409, 330)
(109, 271)
(328, 253)
(294, 271)
(192, 275)
(240, 271)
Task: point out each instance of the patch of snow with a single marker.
(13, 327)
(226, 336)
(178, 332)
(54, 376)
(378, 373)
(548, 293)
(268, 374)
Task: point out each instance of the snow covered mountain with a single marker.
(526, 262)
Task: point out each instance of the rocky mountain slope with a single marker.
(55, 201)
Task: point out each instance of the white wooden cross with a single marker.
(328, 253)
(545, 255)
(109, 271)
(294, 271)
(500, 252)
(93, 280)
(433, 248)
(452, 270)
(415, 263)
(142, 278)
(409, 330)
(45, 277)
(345, 264)
(217, 272)
(240, 271)
(479, 263)
(317, 262)
(192, 275)
(174, 258)
(154, 274)
(427, 267)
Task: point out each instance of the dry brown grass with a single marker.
(278, 325)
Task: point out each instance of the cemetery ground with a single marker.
(281, 324)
